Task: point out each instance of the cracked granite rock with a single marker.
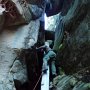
(12, 42)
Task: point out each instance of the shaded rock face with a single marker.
(59, 32)
(33, 68)
(49, 35)
(52, 7)
(76, 52)
(20, 26)
(56, 6)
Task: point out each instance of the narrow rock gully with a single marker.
(23, 32)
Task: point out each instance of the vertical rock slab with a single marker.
(12, 42)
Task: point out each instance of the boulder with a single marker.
(73, 33)
(19, 71)
(17, 12)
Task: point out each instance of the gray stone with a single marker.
(19, 71)
(12, 42)
(35, 11)
(19, 13)
(56, 6)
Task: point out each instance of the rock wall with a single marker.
(77, 40)
(72, 42)
(17, 36)
(56, 6)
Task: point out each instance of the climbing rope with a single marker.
(37, 82)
